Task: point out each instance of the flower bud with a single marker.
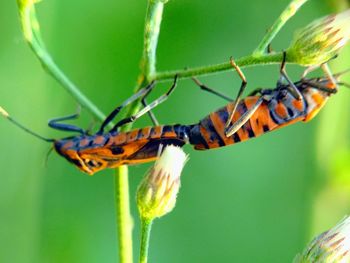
(330, 246)
(156, 195)
(321, 40)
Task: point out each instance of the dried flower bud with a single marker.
(156, 195)
(321, 40)
(331, 246)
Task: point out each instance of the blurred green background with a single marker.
(259, 201)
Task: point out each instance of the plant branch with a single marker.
(146, 226)
(124, 219)
(273, 58)
(152, 28)
(31, 32)
(290, 11)
(148, 68)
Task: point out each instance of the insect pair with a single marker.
(241, 119)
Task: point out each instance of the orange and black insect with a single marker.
(263, 111)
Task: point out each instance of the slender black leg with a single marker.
(150, 113)
(243, 119)
(147, 108)
(55, 123)
(206, 88)
(141, 93)
(292, 88)
(240, 92)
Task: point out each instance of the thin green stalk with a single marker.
(148, 67)
(124, 219)
(273, 58)
(146, 226)
(290, 11)
(152, 29)
(31, 32)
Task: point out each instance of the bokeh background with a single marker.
(259, 201)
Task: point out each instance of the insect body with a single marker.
(268, 110)
(263, 111)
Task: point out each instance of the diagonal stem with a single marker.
(31, 32)
(290, 11)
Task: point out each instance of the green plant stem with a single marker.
(146, 226)
(148, 66)
(151, 34)
(124, 219)
(290, 11)
(273, 58)
(31, 32)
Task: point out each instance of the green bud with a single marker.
(321, 40)
(156, 195)
(331, 246)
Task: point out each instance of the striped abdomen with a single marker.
(272, 114)
(144, 143)
(92, 153)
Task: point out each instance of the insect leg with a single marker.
(55, 123)
(150, 113)
(320, 87)
(308, 70)
(141, 93)
(240, 92)
(147, 108)
(327, 71)
(243, 119)
(206, 88)
(292, 88)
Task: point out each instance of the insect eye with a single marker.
(92, 163)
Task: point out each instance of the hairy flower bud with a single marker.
(321, 40)
(331, 246)
(156, 195)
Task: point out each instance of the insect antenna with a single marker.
(7, 116)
